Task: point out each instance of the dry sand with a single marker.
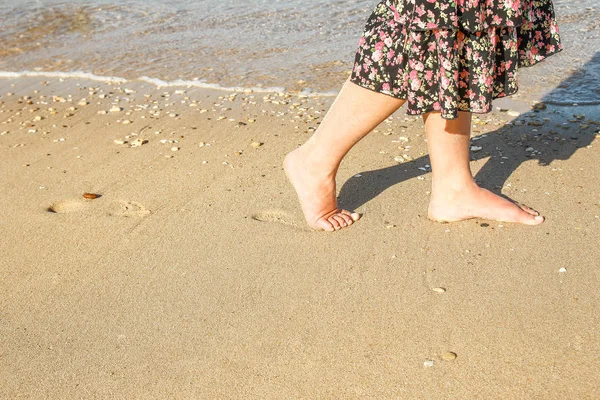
(193, 276)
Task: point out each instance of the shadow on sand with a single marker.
(554, 133)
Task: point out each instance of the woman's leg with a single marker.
(312, 167)
(455, 195)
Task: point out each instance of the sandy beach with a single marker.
(191, 275)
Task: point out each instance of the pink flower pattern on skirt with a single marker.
(454, 55)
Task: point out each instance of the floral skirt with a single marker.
(452, 57)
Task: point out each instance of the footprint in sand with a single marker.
(277, 216)
(119, 208)
(129, 209)
(68, 206)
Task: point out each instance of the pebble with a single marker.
(539, 106)
(429, 363)
(513, 113)
(399, 159)
(256, 145)
(115, 109)
(83, 103)
(118, 141)
(138, 142)
(127, 122)
(91, 196)
(449, 356)
(529, 149)
(174, 148)
(563, 269)
(102, 112)
(438, 290)
(476, 148)
(535, 123)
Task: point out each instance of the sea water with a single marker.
(306, 45)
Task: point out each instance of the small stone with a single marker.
(127, 122)
(476, 148)
(513, 113)
(115, 109)
(449, 356)
(539, 106)
(399, 159)
(562, 270)
(429, 364)
(118, 141)
(174, 148)
(91, 196)
(438, 290)
(138, 142)
(220, 118)
(256, 145)
(251, 121)
(102, 112)
(529, 149)
(83, 103)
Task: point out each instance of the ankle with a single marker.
(452, 187)
(315, 160)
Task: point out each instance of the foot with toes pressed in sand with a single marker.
(316, 191)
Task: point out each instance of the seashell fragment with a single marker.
(449, 356)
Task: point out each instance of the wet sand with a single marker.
(192, 275)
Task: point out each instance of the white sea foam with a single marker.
(159, 83)
(62, 75)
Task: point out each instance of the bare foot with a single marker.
(316, 192)
(476, 202)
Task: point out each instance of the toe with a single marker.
(530, 219)
(341, 221)
(355, 216)
(334, 222)
(527, 209)
(324, 224)
(347, 218)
